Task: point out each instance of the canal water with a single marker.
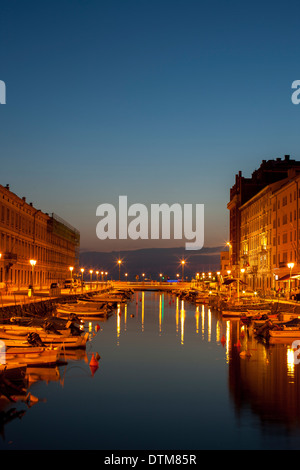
(171, 375)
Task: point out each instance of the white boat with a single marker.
(36, 356)
(21, 341)
(233, 313)
(82, 311)
(25, 330)
(285, 333)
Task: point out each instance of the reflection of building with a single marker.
(267, 382)
(26, 233)
(264, 222)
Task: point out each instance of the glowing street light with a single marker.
(82, 271)
(33, 263)
(182, 265)
(71, 270)
(290, 266)
(119, 263)
(230, 248)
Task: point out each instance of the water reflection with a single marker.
(197, 315)
(262, 381)
(143, 310)
(177, 314)
(182, 320)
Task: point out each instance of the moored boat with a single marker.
(36, 356)
(23, 341)
(233, 313)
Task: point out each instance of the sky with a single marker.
(162, 101)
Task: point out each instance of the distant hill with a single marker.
(152, 262)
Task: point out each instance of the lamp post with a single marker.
(182, 265)
(71, 270)
(229, 272)
(91, 277)
(243, 273)
(230, 247)
(33, 263)
(290, 266)
(119, 263)
(82, 271)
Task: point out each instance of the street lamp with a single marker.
(290, 266)
(91, 276)
(182, 264)
(119, 263)
(71, 269)
(230, 248)
(82, 271)
(243, 273)
(33, 263)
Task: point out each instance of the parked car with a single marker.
(55, 285)
(69, 283)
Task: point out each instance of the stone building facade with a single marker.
(35, 247)
(265, 225)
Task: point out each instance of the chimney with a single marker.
(7, 187)
(287, 158)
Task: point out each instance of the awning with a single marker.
(287, 277)
(230, 281)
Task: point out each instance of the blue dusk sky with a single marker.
(163, 101)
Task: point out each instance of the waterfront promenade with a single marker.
(25, 296)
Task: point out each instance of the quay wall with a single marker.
(39, 307)
(276, 306)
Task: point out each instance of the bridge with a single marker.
(151, 285)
